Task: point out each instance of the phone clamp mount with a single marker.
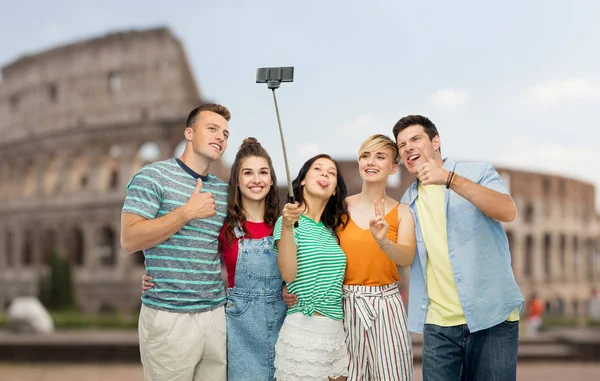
(273, 76)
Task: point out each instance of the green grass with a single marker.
(74, 320)
(549, 322)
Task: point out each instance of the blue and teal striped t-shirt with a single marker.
(186, 267)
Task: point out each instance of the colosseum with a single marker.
(75, 123)
(555, 240)
(78, 120)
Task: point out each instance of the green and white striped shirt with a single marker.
(321, 268)
(186, 267)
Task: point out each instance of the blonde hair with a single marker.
(378, 142)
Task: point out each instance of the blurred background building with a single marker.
(77, 121)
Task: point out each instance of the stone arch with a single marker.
(51, 176)
(75, 247)
(114, 82)
(510, 238)
(107, 251)
(529, 213)
(529, 246)
(28, 247)
(590, 253)
(546, 186)
(8, 247)
(5, 184)
(14, 180)
(52, 92)
(29, 180)
(78, 172)
(109, 169)
(547, 255)
(49, 246)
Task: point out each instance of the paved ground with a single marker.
(38, 372)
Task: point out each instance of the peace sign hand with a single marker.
(431, 172)
(379, 226)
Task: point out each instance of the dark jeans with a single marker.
(455, 354)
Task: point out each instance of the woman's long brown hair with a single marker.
(235, 212)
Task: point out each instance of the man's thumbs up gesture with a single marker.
(431, 172)
(200, 205)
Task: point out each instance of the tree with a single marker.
(56, 290)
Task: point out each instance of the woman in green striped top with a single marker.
(311, 344)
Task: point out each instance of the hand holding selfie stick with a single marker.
(273, 76)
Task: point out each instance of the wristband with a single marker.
(451, 180)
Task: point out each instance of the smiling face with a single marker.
(254, 179)
(376, 166)
(413, 141)
(321, 179)
(208, 135)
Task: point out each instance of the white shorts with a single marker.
(183, 346)
(310, 348)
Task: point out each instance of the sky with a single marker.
(514, 83)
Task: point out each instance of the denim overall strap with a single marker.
(257, 271)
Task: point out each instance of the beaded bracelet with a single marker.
(449, 185)
(448, 179)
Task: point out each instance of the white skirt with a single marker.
(311, 348)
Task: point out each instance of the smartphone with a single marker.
(275, 75)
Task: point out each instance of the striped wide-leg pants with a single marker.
(376, 334)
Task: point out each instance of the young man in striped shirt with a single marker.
(174, 211)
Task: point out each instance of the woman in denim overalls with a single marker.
(255, 308)
(255, 312)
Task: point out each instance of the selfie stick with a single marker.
(273, 77)
(285, 160)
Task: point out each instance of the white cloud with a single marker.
(556, 91)
(450, 99)
(359, 126)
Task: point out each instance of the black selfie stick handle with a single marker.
(291, 200)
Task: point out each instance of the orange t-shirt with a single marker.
(367, 264)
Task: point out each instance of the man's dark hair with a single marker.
(411, 120)
(216, 108)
